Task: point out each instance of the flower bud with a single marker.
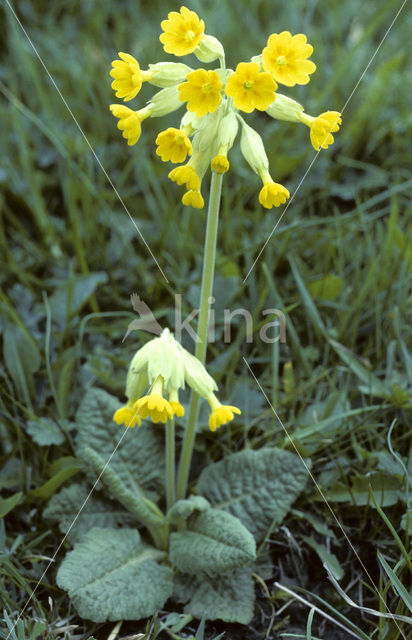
(258, 60)
(251, 145)
(209, 49)
(164, 102)
(284, 108)
(228, 128)
(167, 74)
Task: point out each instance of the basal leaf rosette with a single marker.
(214, 100)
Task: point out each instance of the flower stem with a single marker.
(202, 327)
(170, 463)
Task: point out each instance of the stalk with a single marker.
(209, 258)
(170, 464)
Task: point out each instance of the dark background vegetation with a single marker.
(339, 266)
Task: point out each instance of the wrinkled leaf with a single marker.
(112, 575)
(258, 487)
(215, 542)
(145, 510)
(185, 508)
(45, 432)
(230, 598)
(96, 512)
(138, 460)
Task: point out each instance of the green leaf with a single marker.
(372, 384)
(258, 487)
(139, 459)
(186, 507)
(326, 288)
(406, 521)
(396, 583)
(230, 598)
(112, 575)
(22, 359)
(214, 542)
(7, 504)
(45, 432)
(97, 511)
(71, 295)
(386, 488)
(139, 505)
(312, 312)
(60, 471)
(329, 559)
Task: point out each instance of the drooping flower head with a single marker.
(321, 128)
(164, 366)
(173, 145)
(128, 77)
(214, 100)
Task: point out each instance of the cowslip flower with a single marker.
(127, 415)
(186, 175)
(201, 91)
(250, 87)
(174, 145)
(128, 77)
(321, 128)
(214, 100)
(129, 121)
(182, 32)
(285, 57)
(220, 413)
(165, 366)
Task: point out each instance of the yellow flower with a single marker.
(201, 91)
(194, 199)
(182, 32)
(250, 88)
(321, 128)
(128, 76)
(285, 58)
(154, 405)
(220, 413)
(127, 415)
(129, 121)
(185, 175)
(178, 410)
(272, 193)
(173, 144)
(220, 164)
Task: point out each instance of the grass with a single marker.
(338, 265)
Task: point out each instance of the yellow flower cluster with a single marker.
(214, 99)
(164, 365)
